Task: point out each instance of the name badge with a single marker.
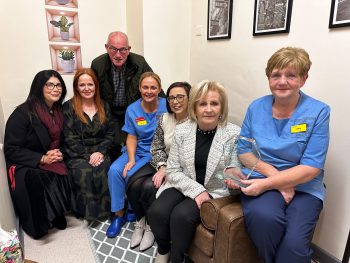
(298, 128)
(140, 121)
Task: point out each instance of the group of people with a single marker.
(120, 147)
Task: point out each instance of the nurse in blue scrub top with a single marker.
(284, 195)
(141, 120)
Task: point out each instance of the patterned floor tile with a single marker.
(117, 250)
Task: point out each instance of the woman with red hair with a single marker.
(88, 135)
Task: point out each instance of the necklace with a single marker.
(206, 132)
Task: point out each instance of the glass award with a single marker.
(233, 173)
(250, 157)
(249, 154)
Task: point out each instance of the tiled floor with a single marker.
(117, 249)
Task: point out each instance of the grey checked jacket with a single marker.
(180, 169)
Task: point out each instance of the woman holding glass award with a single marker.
(284, 195)
(202, 148)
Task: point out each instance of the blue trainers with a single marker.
(115, 227)
(130, 216)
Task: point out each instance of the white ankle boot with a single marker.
(147, 239)
(138, 233)
(162, 258)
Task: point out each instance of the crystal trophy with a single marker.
(250, 157)
(249, 154)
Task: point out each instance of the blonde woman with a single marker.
(140, 123)
(198, 152)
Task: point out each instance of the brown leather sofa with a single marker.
(221, 237)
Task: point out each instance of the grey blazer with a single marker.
(180, 169)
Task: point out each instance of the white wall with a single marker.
(7, 213)
(134, 25)
(239, 63)
(166, 29)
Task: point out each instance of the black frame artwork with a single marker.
(272, 17)
(340, 14)
(219, 19)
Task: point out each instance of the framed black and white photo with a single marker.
(272, 16)
(219, 19)
(340, 13)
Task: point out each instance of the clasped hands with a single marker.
(52, 156)
(96, 159)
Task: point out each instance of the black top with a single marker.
(204, 140)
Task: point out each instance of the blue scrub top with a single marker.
(300, 140)
(142, 124)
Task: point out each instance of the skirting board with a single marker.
(322, 256)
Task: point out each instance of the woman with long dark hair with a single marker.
(40, 188)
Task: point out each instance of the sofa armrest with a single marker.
(210, 210)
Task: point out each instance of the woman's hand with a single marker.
(158, 177)
(288, 194)
(255, 187)
(52, 156)
(127, 167)
(96, 159)
(201, 198)
(236, 173)
(231, 184)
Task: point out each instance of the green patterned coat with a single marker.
(89, 184)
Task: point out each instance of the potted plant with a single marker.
(67, 60)
(63, 25)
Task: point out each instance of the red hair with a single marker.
(77, 102)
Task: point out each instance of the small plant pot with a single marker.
(62, 2)
(64, 35)
(68, 65)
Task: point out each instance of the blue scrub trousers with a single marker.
(281, 232)
(116, 181)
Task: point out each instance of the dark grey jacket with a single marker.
(135, 66)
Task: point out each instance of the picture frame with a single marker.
(272, 18)
(219, 19)
(340, 14)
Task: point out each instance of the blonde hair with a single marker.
(201, 90)
(296, 58)
(153, 75)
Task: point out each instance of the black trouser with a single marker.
(141, 195)
(141, 191)
(173, 218)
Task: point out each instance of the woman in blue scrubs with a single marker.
(285, 192)
(141, 120)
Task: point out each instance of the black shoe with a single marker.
(60, 222)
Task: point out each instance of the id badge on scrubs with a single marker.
(141, 121)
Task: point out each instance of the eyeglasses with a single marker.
(51, 86)
(179, 97)
(122, 50)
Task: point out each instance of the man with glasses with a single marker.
(118, 72)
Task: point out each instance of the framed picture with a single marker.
(340, 13)
(219, 19)
(272, 17)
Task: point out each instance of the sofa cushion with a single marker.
(210, 210)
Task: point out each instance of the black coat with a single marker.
(26, 141)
